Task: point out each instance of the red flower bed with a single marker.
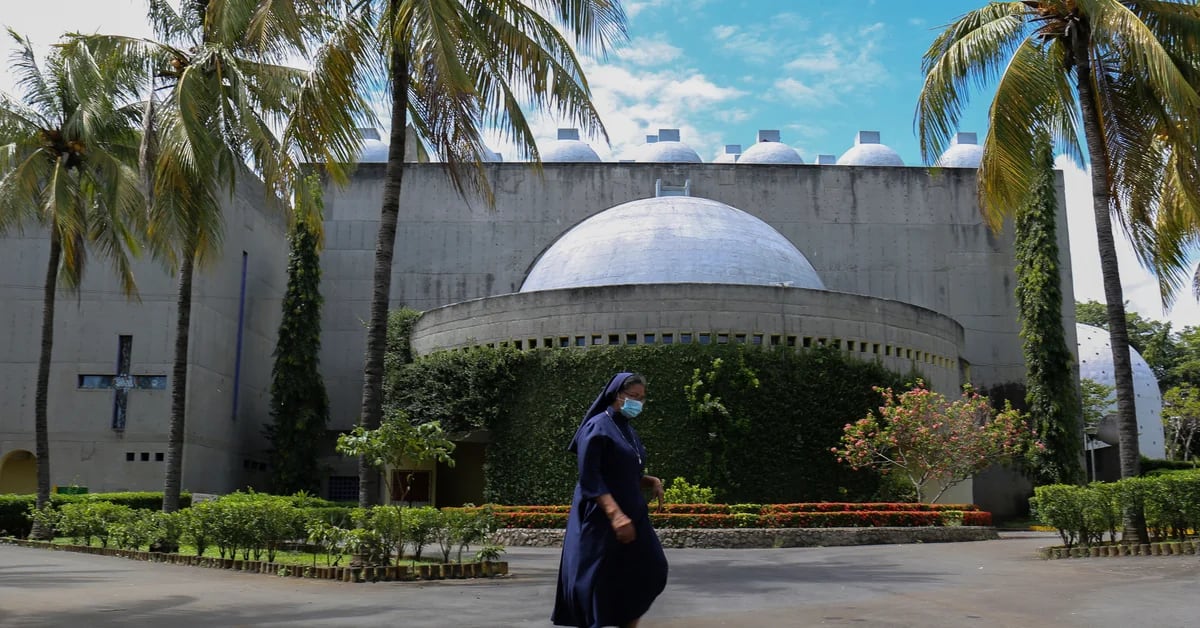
(842, 507)
(808, 515)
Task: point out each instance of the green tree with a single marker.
(1050, 389)
(396, 443)
(1181, 420)
(68, 164)
(454, 68)
(299, 404)
(1124, 72)
(219, 88)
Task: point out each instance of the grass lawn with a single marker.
(300, 559)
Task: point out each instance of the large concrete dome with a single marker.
(770, 153)
(671, 239)
(1095, 363)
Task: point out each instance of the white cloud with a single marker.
(798, 92)
(1139, 286)
(44, 23)
(653, 50)
(634, 7)
(724, 31)
(843, 66)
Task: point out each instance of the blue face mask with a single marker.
(631, 407)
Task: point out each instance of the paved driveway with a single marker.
(990, 583)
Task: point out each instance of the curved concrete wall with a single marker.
(899, 335)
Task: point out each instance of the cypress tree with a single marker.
(1050, 389)
(299, 405)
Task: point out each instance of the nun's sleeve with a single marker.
(592, 449)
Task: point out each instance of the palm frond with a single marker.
(971, 51)
(595, 25)
(1027, 94)
(39, 93)
(1118, 31)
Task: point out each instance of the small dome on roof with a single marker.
(666, 148)
(568, 149)
(372, 148)
(867, 151)
(769, 150)
(964, 152)
(671, 239)
(730, 156)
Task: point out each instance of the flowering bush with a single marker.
(813, 515)
(934, 442)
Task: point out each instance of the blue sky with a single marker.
(817, 71)
(719, 70)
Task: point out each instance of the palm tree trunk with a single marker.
(40, 424)
(171, 487)
(1135, 519)
(372, 396)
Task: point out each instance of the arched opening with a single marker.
(18, 472)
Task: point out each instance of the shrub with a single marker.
(680, 492)
(1082, 514)
(421, 527)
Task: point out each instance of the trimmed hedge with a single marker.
(786, 408)
(14, 508)
(1084, 515)
(810, 515)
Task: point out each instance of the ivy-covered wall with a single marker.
(763, 435)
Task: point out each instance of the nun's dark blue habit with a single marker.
(602, 582)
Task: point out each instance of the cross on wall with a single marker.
(121, 382)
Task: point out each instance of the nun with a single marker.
(612, 566)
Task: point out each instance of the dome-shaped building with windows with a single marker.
(1096, 364)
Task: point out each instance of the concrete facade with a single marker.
(898, 335)
(223, 446)
(911, 235)
(901, 250)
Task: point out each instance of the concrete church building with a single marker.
(890, 263)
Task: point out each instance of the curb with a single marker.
(1164, 548)
(390, 573)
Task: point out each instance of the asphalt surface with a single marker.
(989, 583)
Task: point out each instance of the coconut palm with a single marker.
(222, 97)
(68, 164)
(454, 69)
(1124, 72)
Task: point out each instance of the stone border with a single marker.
(320, 572)
(765, 538)
(1164, 548)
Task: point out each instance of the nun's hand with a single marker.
(657, 491)
(623, 527)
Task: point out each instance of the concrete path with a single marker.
(990, 583)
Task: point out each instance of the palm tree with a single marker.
(221, 98)
(1125, 71)
(453, 69)
(68, 163)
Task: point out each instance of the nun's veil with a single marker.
(603, 400)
